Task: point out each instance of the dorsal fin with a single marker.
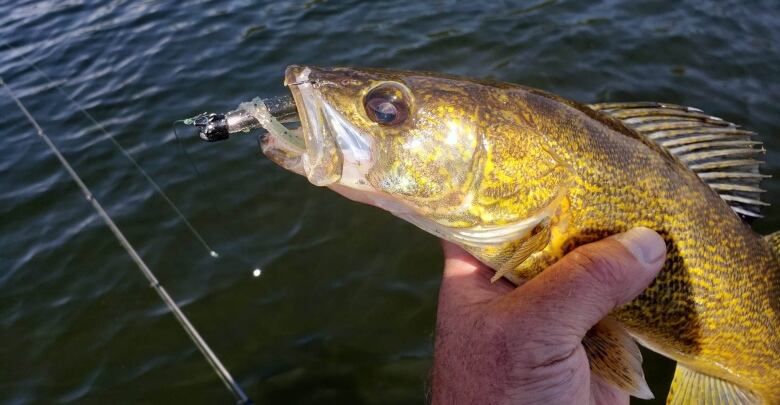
(724, 156)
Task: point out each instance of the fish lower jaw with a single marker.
(275, 149)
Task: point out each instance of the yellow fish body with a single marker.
(519, 177)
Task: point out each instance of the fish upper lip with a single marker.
(296, 74)
(318, 163)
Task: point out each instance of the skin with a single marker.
(499, 344)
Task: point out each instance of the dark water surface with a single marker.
(344, 310)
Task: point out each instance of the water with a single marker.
(344, 307)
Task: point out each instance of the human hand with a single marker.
(499, 344)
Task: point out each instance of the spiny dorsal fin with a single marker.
(724, 156)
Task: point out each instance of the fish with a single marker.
(519, 177)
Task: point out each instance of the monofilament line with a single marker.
(124, 152)
(201, 344)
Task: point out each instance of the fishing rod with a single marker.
(182, 319)
(241, 257)
(213, 253)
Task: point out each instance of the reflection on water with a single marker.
(343, 311)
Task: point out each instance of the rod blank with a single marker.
(185, 323)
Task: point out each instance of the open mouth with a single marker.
(335, 151)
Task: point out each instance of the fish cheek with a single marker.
(416, 170)
(389, 172)
(402, 171)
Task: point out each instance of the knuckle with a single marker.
(603, 266)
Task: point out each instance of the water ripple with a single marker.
(347, 296)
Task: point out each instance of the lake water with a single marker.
(344, 309)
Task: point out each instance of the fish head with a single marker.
(429, 148)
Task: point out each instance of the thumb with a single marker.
(571, 296)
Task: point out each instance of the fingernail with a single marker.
(646, 245)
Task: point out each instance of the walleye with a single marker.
(519, 177)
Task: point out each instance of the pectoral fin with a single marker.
(615, 357)
(537, 241)
(693, 388)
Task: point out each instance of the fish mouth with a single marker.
(336, 152)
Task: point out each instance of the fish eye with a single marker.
(386, 104)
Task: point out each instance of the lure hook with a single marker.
(215, 127)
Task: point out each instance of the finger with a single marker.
(466, 280)
(458, 262)
(603, 392)
(579, 290)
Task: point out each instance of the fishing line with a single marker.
(201, 344)
(183, 150)
(198, 236)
